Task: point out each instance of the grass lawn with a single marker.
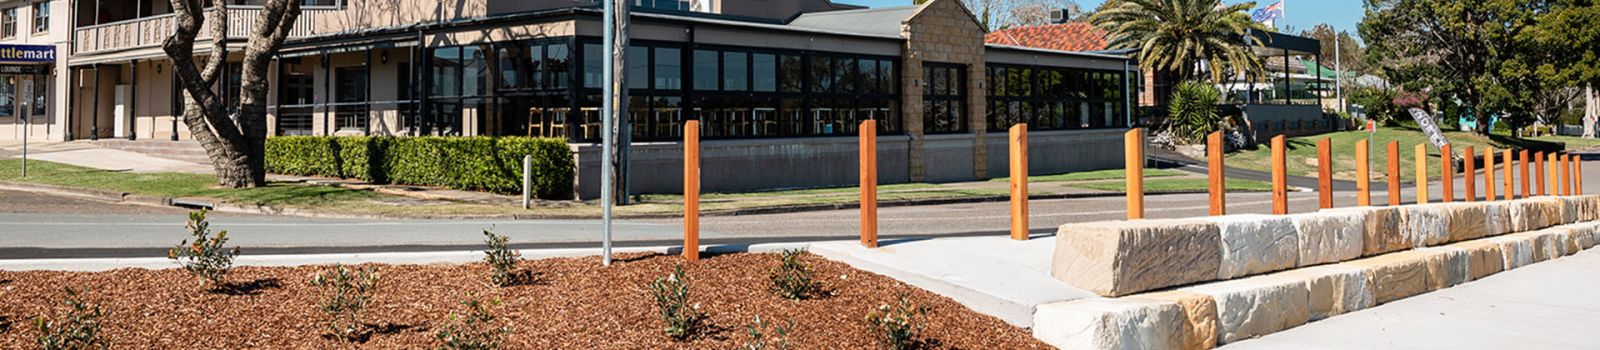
(277, 194)
(1302, 151)
(1573, 142)
(1107, 174)
(1177, 185)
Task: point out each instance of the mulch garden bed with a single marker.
(573, 304)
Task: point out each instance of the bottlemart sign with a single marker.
(27, 53)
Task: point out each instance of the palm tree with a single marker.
(1177, 35)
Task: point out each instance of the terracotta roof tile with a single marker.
(1074, 36)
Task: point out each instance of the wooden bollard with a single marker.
(1566, 174)
(1421, 153)
(691, 190)
(1488, 174)
(1325, 173)
(1522, 165)
(1019, 182)
(1572, 175)
(1133, 154)
(1470, 164)
(1215, 174)
(1447, 174)
(1538, 168)
(1280, 179)
(1554, 180)
(1394, 172)
(869, 183)
(1363, 175)
(1510, 191)
(1577, 169)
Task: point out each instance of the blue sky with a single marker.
(1302, 14)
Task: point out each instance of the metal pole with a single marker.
(606, 168)
(527, 180)
(25, 127)
(1338, 72)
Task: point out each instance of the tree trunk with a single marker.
(234, 143)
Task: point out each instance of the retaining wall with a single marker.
(1229, 278)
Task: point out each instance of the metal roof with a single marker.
(879, 21)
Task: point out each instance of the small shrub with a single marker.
(792, 277)
(672, 298)
(897, 326)
(205, 257)
(473, 330)
(767, 337)
(1193, 112)
(345, 294)
(503, 261)
(78, 329)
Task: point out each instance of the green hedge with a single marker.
(467, 163)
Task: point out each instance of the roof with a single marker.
(878, 21)
(1074, 36)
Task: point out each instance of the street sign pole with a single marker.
(27, 113)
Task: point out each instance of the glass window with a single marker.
(8, 22)
(867, 76)
(944, 103)
(556, 59)
(669, 68)
(791, 75)
(475, 71)
(594, 69)
(844, 75)
(821, 74)
(638, 67)
(41, 17)
(446, 71)
(764, 68)
(705, 70)
(734, 71)
(41, 95)
(886, 74)
(513, 66)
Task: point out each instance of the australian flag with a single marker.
(1269, 15)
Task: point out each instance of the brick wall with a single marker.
(944, 31)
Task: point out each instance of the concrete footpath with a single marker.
(1550, 305)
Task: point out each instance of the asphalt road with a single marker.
(41, 226)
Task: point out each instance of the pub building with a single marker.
(779, 86)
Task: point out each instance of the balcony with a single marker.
(147, 32)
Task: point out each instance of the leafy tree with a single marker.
(1350, 52)
(1176, 36)
(1484, 57)
(234, 142)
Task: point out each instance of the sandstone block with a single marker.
(1515, 249)
(1483, 258)
(1117, 258)
(1426, 225)
(1382, 232)
(1583, 236)
(1549, 243)
(1395, 276)
(1571, 206)
(1334, 289)
(1200, 331)
(1447, 267)
(1255, 244)
(1098, 323)
(1497, 218)
(1467, 221)
(1329, 237)
(1257, 306)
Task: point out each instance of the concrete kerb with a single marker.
(441, 257)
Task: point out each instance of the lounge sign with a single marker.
(28, 53)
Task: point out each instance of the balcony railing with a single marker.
(151, 31)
